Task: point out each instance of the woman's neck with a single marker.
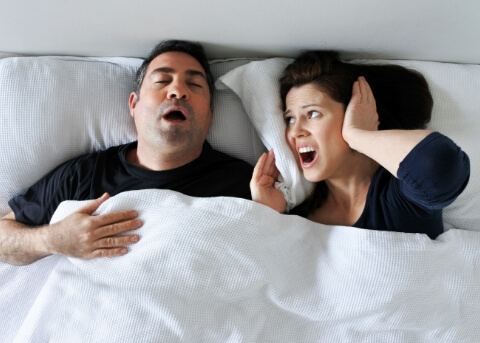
(347, 195)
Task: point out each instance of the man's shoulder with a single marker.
(114, 151)
(236, 166)
(215, 155)
(92, 160)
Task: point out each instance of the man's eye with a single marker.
(196, 85)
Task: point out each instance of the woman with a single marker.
(380, 171)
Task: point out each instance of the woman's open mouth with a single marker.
(308, 155)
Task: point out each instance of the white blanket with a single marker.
(230, 270)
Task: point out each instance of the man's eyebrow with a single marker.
(167, 70)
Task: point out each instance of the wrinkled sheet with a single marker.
(230, 270)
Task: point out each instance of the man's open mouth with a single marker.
(174, 116)
(307, 154)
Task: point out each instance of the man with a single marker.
(172, 110)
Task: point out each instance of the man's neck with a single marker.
(158, 161)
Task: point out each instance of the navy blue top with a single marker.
(430, 178)
(89, 176)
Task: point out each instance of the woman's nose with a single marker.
(297, 130)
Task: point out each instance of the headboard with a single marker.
(432, 30)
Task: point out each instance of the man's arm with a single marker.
(80, 235)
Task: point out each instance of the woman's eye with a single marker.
(196, 85)
(313, 114)
(289, 120)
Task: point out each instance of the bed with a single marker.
(226, 269)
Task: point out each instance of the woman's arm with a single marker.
(435, 172)
(432, 168)
(360, 131)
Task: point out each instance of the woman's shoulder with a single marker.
(435, 172)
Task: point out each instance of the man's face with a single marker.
(172, 112)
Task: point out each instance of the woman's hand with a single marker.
(262, 186)
(361, 113)
(360, 130)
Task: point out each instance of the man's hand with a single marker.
(81, 235)
(84, 235)
(262, 187)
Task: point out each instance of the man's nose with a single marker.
(177, 90)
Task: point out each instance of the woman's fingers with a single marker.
(258, 169)
(270, 168)
(365, 90)
(265, 165)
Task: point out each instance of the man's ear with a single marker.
(213, 113)
(132, 103)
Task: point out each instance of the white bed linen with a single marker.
(230, 270)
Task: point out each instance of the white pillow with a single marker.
(456, 92)
(256, 83)
(55, 108)
(232, 131)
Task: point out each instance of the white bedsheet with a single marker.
(230, 270)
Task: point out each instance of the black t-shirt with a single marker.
(430, 178)
(89, 176)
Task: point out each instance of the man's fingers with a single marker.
(117, 227)
(93, 205)
(115, 241)
(111, 252)
(114, 217)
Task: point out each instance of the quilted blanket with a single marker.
(230, 270)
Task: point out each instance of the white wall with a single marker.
(441, 30)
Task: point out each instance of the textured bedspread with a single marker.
(230, 270)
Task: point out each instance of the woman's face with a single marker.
(314, 132)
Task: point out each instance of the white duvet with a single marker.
(231, 270)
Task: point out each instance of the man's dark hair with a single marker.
(193, 49)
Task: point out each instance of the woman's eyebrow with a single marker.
(303, 107)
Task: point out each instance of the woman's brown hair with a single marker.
(402, 95)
